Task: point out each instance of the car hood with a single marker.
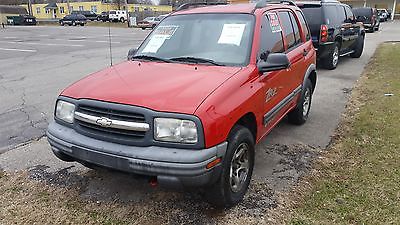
(168, 87)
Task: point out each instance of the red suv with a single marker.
(193, 100)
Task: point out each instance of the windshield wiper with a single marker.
(196, 60)
(150, 58)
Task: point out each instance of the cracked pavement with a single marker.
(30, 83)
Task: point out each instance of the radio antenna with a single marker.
(109, 35)
(109, 39)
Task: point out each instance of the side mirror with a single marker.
(274, 62)
(131, 53)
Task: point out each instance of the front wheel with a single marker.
(237, 169)
(122, 20)
(299, 115)
(74, 23)
(332, 60)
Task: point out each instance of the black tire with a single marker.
(122, 20)
(82, 24)
(143, 28)
(359, 48)
(74, 23)
(223, 193)
(332, 60)
(61, 23)
(299, 115)
(377, 28)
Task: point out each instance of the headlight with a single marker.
(175, 130)
(65, 111)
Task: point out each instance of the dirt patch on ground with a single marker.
(111, 197)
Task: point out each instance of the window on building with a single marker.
(47, 11)
(271, 39)
(62, 10)
(81, 8)
(71, 8)
(287, 29)
(94, 8)
(38, 10)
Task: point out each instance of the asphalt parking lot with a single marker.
(36, 63)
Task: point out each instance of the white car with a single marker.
(383, 15)
(118, 15)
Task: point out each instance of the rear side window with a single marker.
(296, 28)
(313, 15)
(271, 40)
(341, 14)
(331, 14)
(287, 29)
(304, 26)
(349, 15)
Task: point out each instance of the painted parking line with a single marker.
(45, 44)
(18, 50)
(9, 37)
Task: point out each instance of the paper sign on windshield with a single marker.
(155, 43)
(231, 34)
(169, 31)
(274, 22)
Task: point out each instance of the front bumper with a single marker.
(173, 167)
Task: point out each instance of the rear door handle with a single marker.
(305, 52)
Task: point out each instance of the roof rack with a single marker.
(197, 4)
(263, 3)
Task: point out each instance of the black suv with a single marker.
(369, 17)
(88, 14)
(334, 31)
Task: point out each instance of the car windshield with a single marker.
(220, 39)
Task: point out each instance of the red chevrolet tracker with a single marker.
(192, 101)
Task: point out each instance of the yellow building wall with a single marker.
(62, 10)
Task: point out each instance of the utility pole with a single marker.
(68, 7)
(394, 9)
(30, 8)
(127, 12)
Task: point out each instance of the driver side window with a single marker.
(271, 38)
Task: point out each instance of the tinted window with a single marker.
(341, 14)
(270, 41)
(362, 12)
(287, 29)
(313, 15)
(296, 29)
(304, 26)
(331, 14)
(349, 15)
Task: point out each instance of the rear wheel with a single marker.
(62, 23)
(122, 20)
(359, 48)
(237, 169)
(143, 28)
(299, 115)
(74, 23)
(331, 61)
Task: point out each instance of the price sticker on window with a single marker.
(274, 22)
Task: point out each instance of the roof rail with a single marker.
(329, 1)
(197, 4)
(263, 3)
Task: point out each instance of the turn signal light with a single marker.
(324, 33)
(213, 163)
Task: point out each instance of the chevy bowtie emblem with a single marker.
(104, 122)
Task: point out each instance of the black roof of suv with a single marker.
(334, 30)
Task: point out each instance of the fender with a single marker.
(310, 69)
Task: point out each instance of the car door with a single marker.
(295, 50)
(274, 85)
(345, 31)
(354, 28)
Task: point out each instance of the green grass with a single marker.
(358, 181)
